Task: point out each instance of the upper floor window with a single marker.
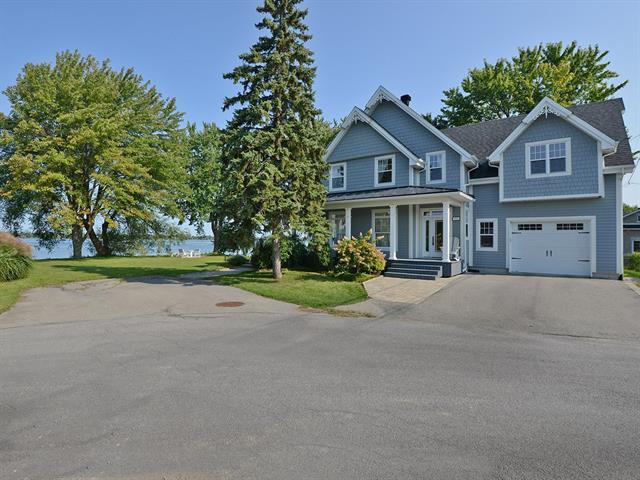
(385, 170)
(436, 171)
(548, 158)
(338, 178)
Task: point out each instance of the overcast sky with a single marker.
(415, 47)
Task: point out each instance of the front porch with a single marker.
(416, 229)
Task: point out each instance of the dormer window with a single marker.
(384, 170)
(436, 171)
(338, 177)
(549, 158)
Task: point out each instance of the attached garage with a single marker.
(556, 246)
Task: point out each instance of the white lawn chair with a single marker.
(181, 253)
(196, 253)
(455, 249)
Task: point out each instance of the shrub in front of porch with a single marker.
(358, 255)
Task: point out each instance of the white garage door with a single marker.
(558, 247)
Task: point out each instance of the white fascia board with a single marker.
(624, 169)
(550, 197)
(382, 93)
(457, 198)
(358, 115)
(483, 181)
(547, 105)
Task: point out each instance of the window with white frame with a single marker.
(436, 171)
(635, 246)
(549, 158)
(338, 177)
(381, 222)
(337, 227)
(487, 234)
(384, 167)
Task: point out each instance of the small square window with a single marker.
(538, 167)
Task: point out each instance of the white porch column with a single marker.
(463, 233)
(393, 240)
(446, 232)
(347, 222)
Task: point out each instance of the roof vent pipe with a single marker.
(406, 98)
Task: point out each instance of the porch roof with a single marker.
(396, 193)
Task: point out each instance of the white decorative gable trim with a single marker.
(358, 115)
(382, 94)
(545, 107)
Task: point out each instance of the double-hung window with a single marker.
(381, 221)
(338, 177)
(436, 171)
(337, 226)
(384, 170)
(548, 158)
(487, 234)
(635, 246)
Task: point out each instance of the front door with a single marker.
(431, 235)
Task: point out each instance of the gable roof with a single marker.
(483, 138)
(382, 93)
(358, 115)
(636, 212)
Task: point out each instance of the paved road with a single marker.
(150, 380)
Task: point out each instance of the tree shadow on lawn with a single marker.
(147, 274)
(266, 277)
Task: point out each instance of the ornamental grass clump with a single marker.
(15, 258)
(358, 255)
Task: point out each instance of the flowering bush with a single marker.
(359, 255)
(15, 257)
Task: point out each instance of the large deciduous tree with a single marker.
(85, 146)
(204, 177)
(567, 74)
(273, 148)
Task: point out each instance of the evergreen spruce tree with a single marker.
(273, 148)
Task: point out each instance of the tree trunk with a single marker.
(105, 237)
(215, 232)
(77, 240)
(97, 244)
(277, 264)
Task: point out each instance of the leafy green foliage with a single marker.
(274, 143)
(633, 262)
(15, 258)
(204, 178)
(627, 209)
(358, 255)
(237, 260)
(294, 253)
(85, 142)
(567, 74)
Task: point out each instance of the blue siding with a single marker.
(584, 162)
(604, 209)
(417, 139)
(360, 141)
(361, 173)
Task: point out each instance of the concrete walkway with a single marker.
(388, 295)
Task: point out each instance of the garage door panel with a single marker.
(559, 247)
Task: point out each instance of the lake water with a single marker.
(64, 249)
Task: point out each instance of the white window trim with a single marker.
(344, 185)
(373, 227)
(393, 171)
(427, 173)
(495, 235)
(633, 240)
(332, 223)
(548, 173)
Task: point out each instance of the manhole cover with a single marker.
(229, 304)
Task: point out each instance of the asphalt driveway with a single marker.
(150, 380)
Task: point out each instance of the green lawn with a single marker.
(308, 289)
(57, 272)
(632, 273)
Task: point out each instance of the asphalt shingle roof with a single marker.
(480, 139)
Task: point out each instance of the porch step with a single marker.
(416, 276)
(417, 269)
